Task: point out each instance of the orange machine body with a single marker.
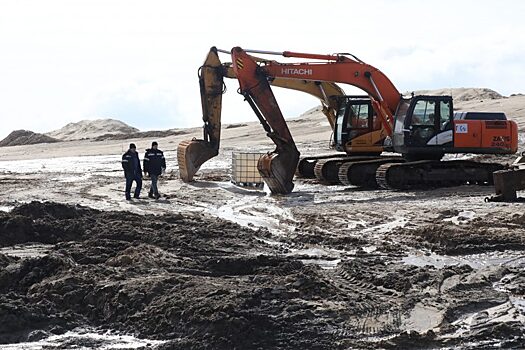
(485, 136)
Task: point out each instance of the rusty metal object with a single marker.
(507, 182)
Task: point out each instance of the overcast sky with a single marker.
(66, 60)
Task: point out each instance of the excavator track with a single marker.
(363, 173)
(306, 165)
(327, 170)
(428, 174)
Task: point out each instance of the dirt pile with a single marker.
(89, 129)
(469, 236)
(141, 134)
(464, 94)
(204, 283)
(26, 137)
(172, 277)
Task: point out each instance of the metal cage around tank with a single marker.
(244, 169)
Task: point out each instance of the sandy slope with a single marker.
(87, 129)
(310, 130)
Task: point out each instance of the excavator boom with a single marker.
(191, 154)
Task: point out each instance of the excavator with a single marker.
(420, 128)
(364, 141)
(357, 132)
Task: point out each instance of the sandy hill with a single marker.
(485, 100)
(464, 94)
(26, 137)
(88, 129)
(465, 99)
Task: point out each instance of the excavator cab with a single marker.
(425, 128)
(356, 126)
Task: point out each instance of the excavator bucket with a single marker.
(278, 169)
(191, 154)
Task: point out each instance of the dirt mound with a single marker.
(88, 129)
(167, 277)
(26, 137)
(204, 283)
(482, 235)
(142, 134)
(464, 94)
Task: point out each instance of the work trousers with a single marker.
(129, 183)
(154, 190)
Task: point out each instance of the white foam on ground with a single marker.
(476, 261)
(80, 165)
(462, 218)
(107, 340)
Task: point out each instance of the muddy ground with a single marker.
(214, 266)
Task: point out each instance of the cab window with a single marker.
(424, 113)
(358, 116)
(445, 112)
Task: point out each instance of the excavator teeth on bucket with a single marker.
(191, 154)
(277, 171)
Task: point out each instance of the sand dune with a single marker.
(88, 129)
(25, 137)
(464, 94)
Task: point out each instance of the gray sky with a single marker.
(66, 60)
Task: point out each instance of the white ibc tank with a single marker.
(244, 169)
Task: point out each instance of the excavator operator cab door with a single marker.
(353, 123)
(429, 124)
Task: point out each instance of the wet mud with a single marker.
(199, 282)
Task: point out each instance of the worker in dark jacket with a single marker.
(154, 165)
(132, 171)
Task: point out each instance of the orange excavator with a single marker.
(364, 140)
(421, 128)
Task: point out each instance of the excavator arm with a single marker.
(278, 167)
(191, 154)
(342, 69)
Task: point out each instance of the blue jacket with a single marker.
(131, 164)
(154, 161)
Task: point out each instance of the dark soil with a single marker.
(204, 283)
(26, 137)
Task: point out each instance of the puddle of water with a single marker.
(326, 259)
(387, 227)
(322, 263)
(26, 251)
(353, 224)
(476, 261)
(255, 212)
(82, 165)
(86, 339)
(489, 317)
(423, 318)
(6, 208)
(462, 218)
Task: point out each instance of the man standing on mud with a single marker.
(154, 165)
(132, 171)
